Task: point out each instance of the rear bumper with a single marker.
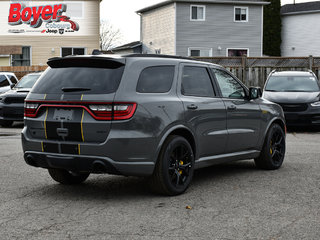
(90, 164)
(12, 112)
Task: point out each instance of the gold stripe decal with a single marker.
(45, 124)
(42, 147)
(45, 96)
(79, 149)
(82, 125)
(81, 97)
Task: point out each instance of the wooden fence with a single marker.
(253, 71)
(23, 70)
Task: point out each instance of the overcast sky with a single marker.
(121, 14)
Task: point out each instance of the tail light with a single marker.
(102, 111)
(99, 111)
(115, 111)
(123, 111)
(30, 109)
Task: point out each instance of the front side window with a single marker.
(156, 79)
(3, 81)
(196, 82)
(233, 52)
(292, 84)
(197, 13)
(23, 59)
(241, 14)
(66, 51)
(200, 52)
(230, 87)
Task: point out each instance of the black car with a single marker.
(298, 93)
(11, 102)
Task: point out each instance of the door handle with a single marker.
(232, 107)
(192, 107)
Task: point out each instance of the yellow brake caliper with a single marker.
(181, 163)
(271, 148)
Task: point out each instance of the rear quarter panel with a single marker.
(156, 113)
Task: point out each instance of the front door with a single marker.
(243, 115)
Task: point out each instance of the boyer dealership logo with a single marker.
(35, 16)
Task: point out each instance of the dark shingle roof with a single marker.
(128, 46)
(300, 7)
(164, 3)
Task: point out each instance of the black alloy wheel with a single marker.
(277, 147)
(274, 149)
(174, 170)
(180, 165)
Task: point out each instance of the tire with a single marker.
(67, 178)
(175, 167)
(6, 123)
(273, 150)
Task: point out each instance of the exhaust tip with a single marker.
(99, 167)
(30, 160)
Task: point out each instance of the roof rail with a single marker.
(159, 56)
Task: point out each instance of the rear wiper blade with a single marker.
(74, 89)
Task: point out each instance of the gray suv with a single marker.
(156, 116)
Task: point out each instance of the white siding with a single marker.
(300, 35)
(158, 30)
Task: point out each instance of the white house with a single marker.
(203, 27)
(300, 29)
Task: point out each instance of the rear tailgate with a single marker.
(73, 100)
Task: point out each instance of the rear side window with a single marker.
(196, 82)
(3, 81)
(91, 80)
(156, 79)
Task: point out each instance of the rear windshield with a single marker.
(292, 84)
(89, 79)
(27, 81)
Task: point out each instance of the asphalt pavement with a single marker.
(230, 201)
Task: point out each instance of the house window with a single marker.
(66, 51)
(241, 14)
(233, 52)
(200, 52)
(197, 13)
(23, 59)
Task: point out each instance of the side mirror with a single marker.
(255, 92)
(12, 85)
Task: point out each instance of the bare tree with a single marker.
(109, 35)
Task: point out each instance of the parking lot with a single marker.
(230, 201)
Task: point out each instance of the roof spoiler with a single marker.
(86, 61)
